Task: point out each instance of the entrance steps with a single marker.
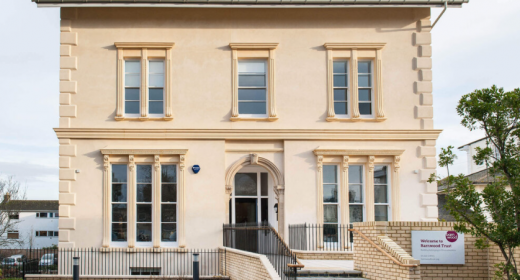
(328, 270)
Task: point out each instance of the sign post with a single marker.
(438, 247)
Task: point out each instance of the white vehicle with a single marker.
(47, 259)
(14, 260)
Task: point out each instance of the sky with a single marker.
(473, 47)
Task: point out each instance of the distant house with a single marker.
(477, 174)
(37, 225)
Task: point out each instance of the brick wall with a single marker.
(477, 261)
(495, 257)
(117, 277)
(241, 265)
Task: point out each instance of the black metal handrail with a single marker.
(112, 261)
(262, 239)
(320, 237)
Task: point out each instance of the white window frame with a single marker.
(258, 196)
(372, 96)
(137, 115)
(338, 203)
(388, 191)
(147, 243)
(149, 87)
(266, 87)
(363, 188)
(175, 243)
(349, 102)
(120, 244)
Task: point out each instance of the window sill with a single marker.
(263, 119)
(144, 119)
(334, 119)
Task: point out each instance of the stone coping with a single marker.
(396, 251)
(124, 276)
(404, 224)
(263, 259)
(323, 252)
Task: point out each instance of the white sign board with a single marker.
(438, 247)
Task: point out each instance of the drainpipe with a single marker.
(443, 11)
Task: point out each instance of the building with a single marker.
(330, 124)
(35, 223)
(471, 150)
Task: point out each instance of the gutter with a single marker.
(443, 11)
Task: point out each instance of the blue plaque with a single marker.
(196, 168)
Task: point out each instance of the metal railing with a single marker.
(262, 239)
(113, 261)
(319, 237)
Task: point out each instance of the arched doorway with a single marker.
(256, 192)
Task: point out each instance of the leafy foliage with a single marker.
(493, 214)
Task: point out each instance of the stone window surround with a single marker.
(352, 52)
(252, 51)
(154, 157)
(368, 157)
(144, 51)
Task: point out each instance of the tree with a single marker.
(492, 215)
(9, 210)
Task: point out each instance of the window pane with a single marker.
(365, 95)
(43, 215)
(264, 213)
(119, 192)
(364, 81)
(245, 210)
(251, 94)
(168, 173)
(144, 232)
(330, 213)
(341, 108)
(144, 192)
(156, 107)
(144, 213)
(263, 184)
(251, 66)
(330, 233)
(169, 193)
(380, 172)
(381, 212)
(355, 174)
(246, 184)
(330, 193)
(380, 194)
(255, 108)
(119, 213)
(132, 66)
(43, 233)
(132, 107)
(155, 94)
(330, 174)
(356, 213)
(132, 80)
(156, 66)
(340, 94)
(132, 93)
(118, 232)
(119, 173)
(251, 80)
(144, 173)
(156, 80)
(365, 108)
(169, 213)
(364, 67)
(169, 232)
(355, 193)
(340, 66)
(340, 80)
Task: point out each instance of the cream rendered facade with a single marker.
(201, 125)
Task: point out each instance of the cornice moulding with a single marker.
(369, 151)
(253, 46)
(139, 45)
(152, 151)
(350, 46)
(246, 134)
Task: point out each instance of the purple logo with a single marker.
(452, 236)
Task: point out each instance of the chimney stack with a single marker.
(7, 197)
